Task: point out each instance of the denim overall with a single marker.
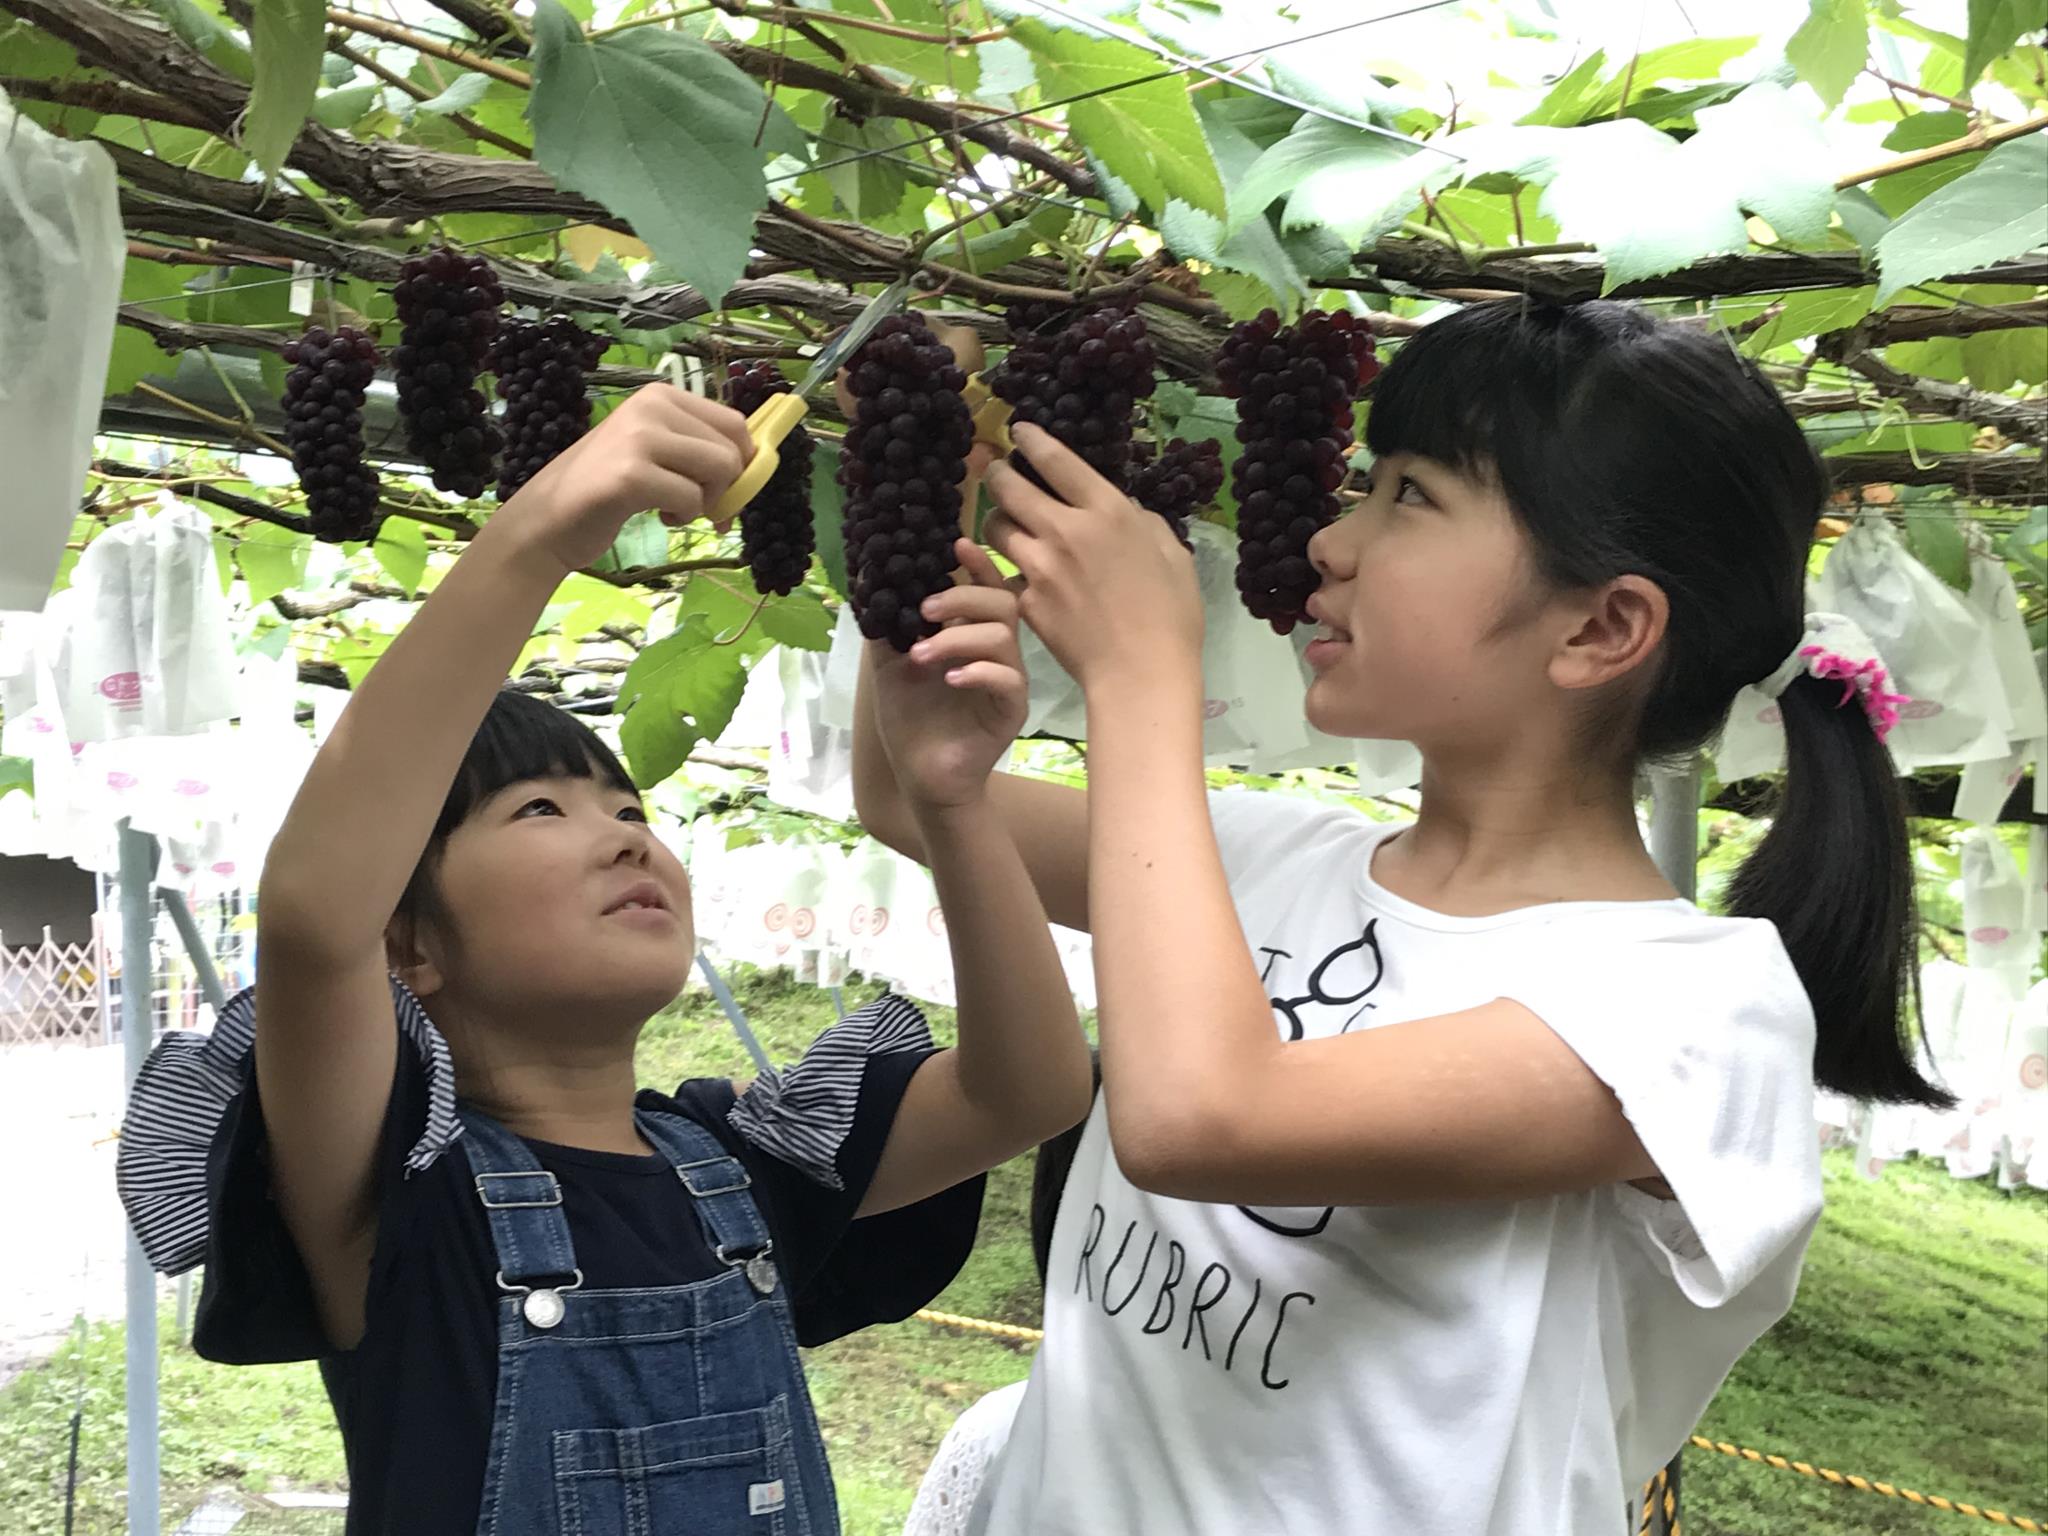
(674, 1411)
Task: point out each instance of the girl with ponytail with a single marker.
(1442, 1170)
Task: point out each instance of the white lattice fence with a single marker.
(50, 991)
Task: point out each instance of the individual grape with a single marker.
(323, 408)
(1178, 480)
(541, 366)
(776, 532)
(449, 305)
(1080, 381)
(904, 458)
(1295, 387)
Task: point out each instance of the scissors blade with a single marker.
(827, 363)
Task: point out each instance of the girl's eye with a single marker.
(540, 805)
(633, 813)
(1408, 491)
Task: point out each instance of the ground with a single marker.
(1917, 1352)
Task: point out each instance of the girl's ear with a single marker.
(1620, 626)
(410, 959)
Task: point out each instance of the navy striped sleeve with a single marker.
(802, 1114)
(186, 1092)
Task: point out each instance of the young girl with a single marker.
(1442, 1171)
(543, 1303)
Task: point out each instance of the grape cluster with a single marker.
(1294, 387)
(323, 406)
(1177, 480)
(776, 533)
(449, 306)
(905, 456)
(1080, 382)
(541, 367)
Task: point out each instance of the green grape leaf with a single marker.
(1248, 246)
(287, 39)
(1995, 25)
(955, 69)
(401, 548)
(2000, 360)
(679, 691)
(827, 506)
(1596, 89)
(1006, 68)
(801, 620)
(660, 129)
(1653, 204)
(135, 357)
(869, 186)
(464, 92)
(642, 541)
(1830, 47)
(346, 107)
(207, 35)
(1902, 189)
(17, 773)
(728, 603)
(272, 560)
(1145, 133)
(1997, 210)
(1937, 543)
(1356, 183)
(1809, 314)
(1863, 219)
(593, 604)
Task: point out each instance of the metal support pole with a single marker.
(210, 989)
(195, 946)
(1675, 826)
(726, 1001)
(138, 1017)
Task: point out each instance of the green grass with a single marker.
(1917, 1353)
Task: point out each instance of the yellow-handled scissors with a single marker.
(778, 415)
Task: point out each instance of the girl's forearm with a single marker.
(1184, 1019)
(360, 820)
(1021, 1053)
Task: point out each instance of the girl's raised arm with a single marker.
(942, 717)
(325, 1044)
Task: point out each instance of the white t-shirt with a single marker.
(1517, 1368)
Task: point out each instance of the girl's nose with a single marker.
(1326, 551)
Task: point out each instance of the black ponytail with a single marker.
(1835, 875)
(1631, 446)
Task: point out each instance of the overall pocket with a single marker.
(725, 1474)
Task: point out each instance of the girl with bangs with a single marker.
(543, 1302)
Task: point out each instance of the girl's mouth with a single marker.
(1328, 644)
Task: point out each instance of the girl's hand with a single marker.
(663, 450)
(1109, 589)
(949, 709)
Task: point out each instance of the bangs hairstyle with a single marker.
(1626, 445)
(521, 738)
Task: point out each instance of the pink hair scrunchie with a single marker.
(1835, 646)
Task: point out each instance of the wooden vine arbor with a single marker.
(729, 182)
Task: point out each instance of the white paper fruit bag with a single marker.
(1936, 646)
(62, 250)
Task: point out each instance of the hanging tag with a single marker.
(302, 288)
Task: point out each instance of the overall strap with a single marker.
(719, 1187)
(523, 1203)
